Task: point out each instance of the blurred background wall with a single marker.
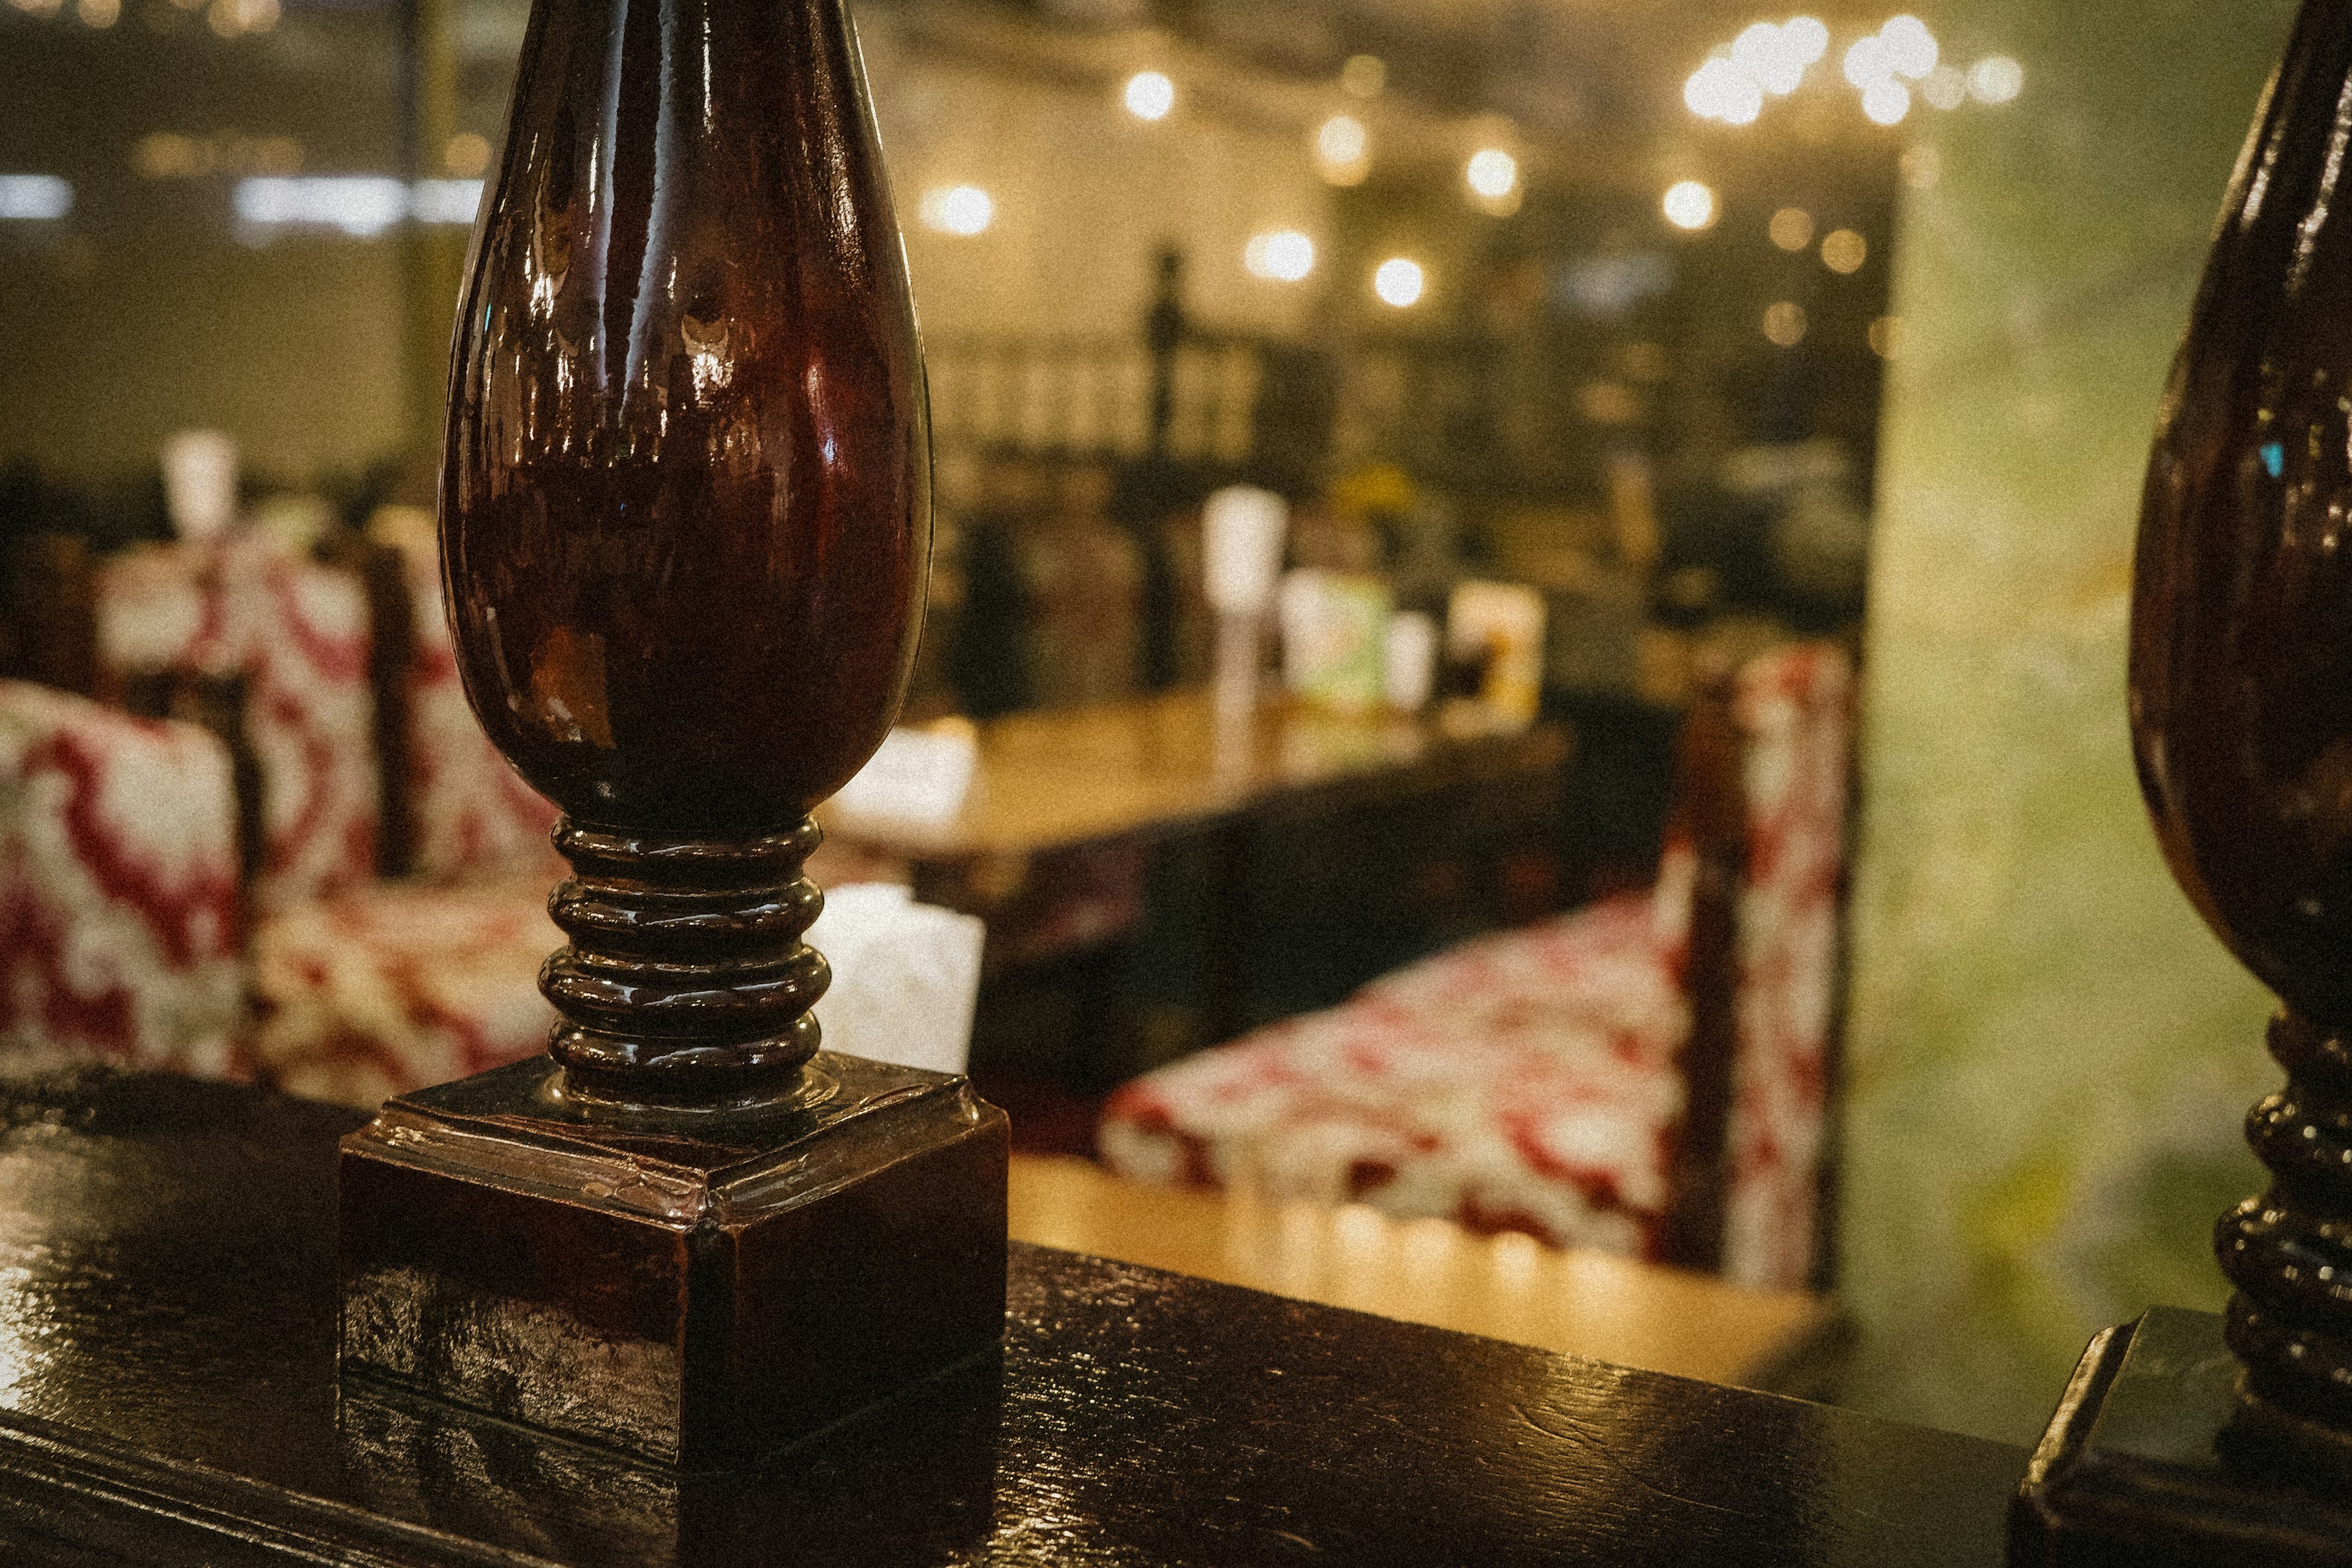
(292, 341)
(2048, 1047)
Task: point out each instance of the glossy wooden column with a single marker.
(2242, 699)
(686, 525)
(2241, 721)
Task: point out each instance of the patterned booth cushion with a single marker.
(310, 720)
(1529, 1081)
(298, 630)
(357, 988)
(1523, 1082)
(395, 987)
(119, 921)
(474, 814)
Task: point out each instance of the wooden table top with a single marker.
(168, 1397)
(1429, 1271)
(1154, 764)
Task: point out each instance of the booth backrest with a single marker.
(120, 924)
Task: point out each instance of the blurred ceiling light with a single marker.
(1689, 204)
(1946, 87)
(358, 204)
(966, 210)
(1887, 336)
(1845, 252)
(467, 156)
(1911, 49)
(1869, 60)
(1886, 102)
(1792, 229)
(1996, 79)
(1283, 256)
(1492, 172)
(1343, 150)
(1399, 282)
(1807, 37)
(231, 18)
(98, 13)
(1784, 323)
(1149, 95)
(37, 7)
(1770, 58)
(35, 197)
(1719, 89)
(444, 200)
(1342, 140)
(1364, 76)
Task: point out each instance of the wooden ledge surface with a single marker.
(168, 1398)
(1429, 1271)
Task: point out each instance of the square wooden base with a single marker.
(2145, 1466)
(694, 1294)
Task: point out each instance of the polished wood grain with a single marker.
(686, 511)
(1431, 1271)
(2149, 1463)
(1156, 764)
(168, 1398)
(2241, 705)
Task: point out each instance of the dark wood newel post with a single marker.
(2288, 1251)
(2183, 1440)
(687, 985)
(686, 527)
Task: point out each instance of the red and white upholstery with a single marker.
(119, 920)
(1796, 710)
(1529, 1081)
(358, 987)
(388, 986)
(298, 631)
(474, 814)
(396, 986)
(309, 719)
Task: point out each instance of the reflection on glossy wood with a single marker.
(168, 1398)
(686, 525)
(2241, 706)
(1156, 763)
(696, 1292)
(686, 511)
(1430, 1271)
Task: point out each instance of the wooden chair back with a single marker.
(1752, 1177)
(48, 612)
(1707, 820)
(382, 569)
